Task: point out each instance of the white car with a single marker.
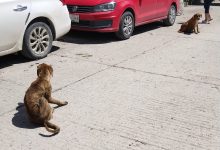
(30, 26)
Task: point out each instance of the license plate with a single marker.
(74, 18)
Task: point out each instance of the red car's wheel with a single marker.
(171, 17)
(126, 26)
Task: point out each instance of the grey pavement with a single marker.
(159, 90)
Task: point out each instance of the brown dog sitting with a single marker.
(191, 25)
(38, 97)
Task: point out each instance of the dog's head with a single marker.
(44, 71)
(197, 16)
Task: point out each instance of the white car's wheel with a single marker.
(38, 40)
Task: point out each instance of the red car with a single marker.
(120, 16)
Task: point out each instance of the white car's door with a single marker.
(13, 15)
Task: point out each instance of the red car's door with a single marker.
(147, 10)
(162, 7)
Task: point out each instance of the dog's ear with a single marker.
(195, 16)
(51, 70)
(39, 69)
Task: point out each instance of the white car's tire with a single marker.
(37, 41)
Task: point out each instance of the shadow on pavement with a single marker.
(180, 22)
(51, 135)
(83, 37)
(21, 120)
(17, 58)
(9, 60)
(148, 27)
(87, 37)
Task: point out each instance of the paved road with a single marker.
(159, 90)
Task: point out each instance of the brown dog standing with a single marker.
(191, 25)
(38, 97)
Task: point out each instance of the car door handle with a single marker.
(20, 8)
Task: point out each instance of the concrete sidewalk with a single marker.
(159, 90)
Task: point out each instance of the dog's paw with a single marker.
(64, 103)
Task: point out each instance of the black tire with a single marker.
(126, 28)
(37, 41)
(171, 17)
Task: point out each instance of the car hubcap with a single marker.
(172, 15)
(39, 40)
(128, 25)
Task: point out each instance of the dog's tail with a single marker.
(51, 127)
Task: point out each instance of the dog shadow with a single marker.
(180, 23)
(21, 120)
(187, 33)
